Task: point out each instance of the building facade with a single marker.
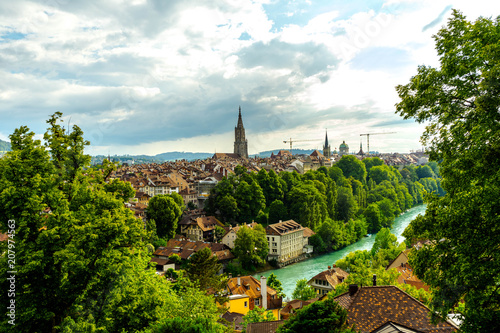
(286, 240)
(240, 142)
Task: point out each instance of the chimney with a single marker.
(239, 282)
(230, 276)
(374, 280)
(263, 291)
(353, 288)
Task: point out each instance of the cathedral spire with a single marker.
(240, 142)
(326, 148)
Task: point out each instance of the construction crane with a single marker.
(368, 139)
(291, 141)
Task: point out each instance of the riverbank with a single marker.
(289, 275)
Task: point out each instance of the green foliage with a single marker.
(250, 199)
(351, 166)
(346, 205)
(219, 232)
(257, 315)
(251, 247)
(336, 174)
(321, 316)
(307, 205)
(203, 268)
(374, 218)
(460, 101)
(277, 212)
(380, 173)
(74, 233)
(166, 212)
(303, 291)
(273, 282)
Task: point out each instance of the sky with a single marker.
(153, 76)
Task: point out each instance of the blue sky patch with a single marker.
(381, 58)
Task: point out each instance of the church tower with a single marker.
(326, 148)
(240, 143)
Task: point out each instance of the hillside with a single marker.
(4, 145)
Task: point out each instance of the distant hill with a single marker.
(267, 153)
(180, 155)
(4, 146)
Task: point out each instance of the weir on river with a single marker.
(289, 275)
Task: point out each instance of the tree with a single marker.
(166, 213)
(307, 205)
(250, 246)
(460, 100)
(373, 217)
(203, 268)
(273, 282)
(336, 174)
(322, 317)
(250, 199)
(277, 211)
(257, 315)
(346, 206)
(73, 231)
(351, 166)
(303, 291)
(228, 208)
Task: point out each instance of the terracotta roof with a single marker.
(207, 223)
(248, 285)
(264, 327)
(308, 232)
(334, 276)
(371, 307)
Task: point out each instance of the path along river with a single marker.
(289, 275)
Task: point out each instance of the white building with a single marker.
(286, 240)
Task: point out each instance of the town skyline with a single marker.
(173, 79)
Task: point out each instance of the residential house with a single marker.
(200, 228)
(326, 281)
(258, 292)
(185, 248)
(293, 306)
(406, 274)
(286, 241)
(372, 308)
(230, 235)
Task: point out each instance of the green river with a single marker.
(289, 275)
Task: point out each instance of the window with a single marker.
(246, 304)
(257, 302)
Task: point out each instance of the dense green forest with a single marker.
(341, 204)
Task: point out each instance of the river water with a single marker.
(289, 275)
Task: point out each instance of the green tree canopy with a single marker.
(303, 291)
(460, 102)
(251, 247)
(351, 166)
(273, 282)
(203, 268)
(166, 212)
